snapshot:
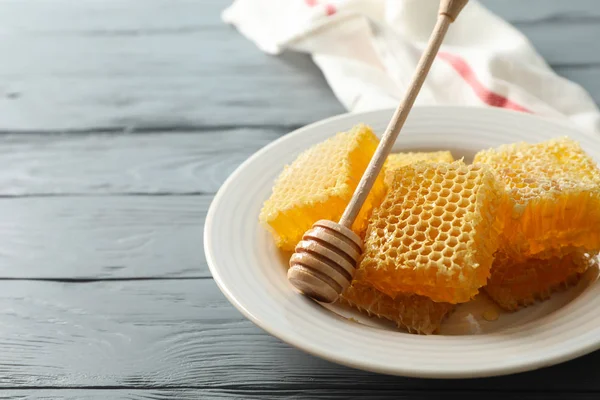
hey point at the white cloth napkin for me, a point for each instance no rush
(368, 51)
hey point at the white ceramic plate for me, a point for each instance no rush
(251, 272)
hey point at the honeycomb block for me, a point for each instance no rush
(397, 160)
(553, 197)
(414, 313)
(319, 185)
(516, 284)
(434, 233)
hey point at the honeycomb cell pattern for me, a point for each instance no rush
(435, 232)
(397, 160)
(516, 284)
(553, 197)
(413, 313)
(319, 185)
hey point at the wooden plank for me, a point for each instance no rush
(563, 44)
(586, 76)
(138, 65)
(155, 334)
(102, 238)
(561, 31)
(193, 162)
(145, 64)
(158, 163)
(537, 11)
(261, 394)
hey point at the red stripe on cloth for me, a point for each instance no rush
(487, 96)
(330, 9)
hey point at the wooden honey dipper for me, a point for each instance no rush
(324, 262)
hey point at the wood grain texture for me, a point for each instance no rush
(127, 64)
(131, 67)
(557, 12)
(103, 237)
(587, 76)
(308, 394)
(154, 63)
(177, 163)
(157, 334)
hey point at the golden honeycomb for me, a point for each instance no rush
(319, 185)
(553, 200)
(435, 232)
(515, 284)
(397, 160)
(416, 314)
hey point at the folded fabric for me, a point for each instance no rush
(368, 51)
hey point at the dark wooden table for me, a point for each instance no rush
(119, 120)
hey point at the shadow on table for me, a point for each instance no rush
(576, 379)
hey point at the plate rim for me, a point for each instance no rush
(526, 365)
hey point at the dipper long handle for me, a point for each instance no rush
(449, 10)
